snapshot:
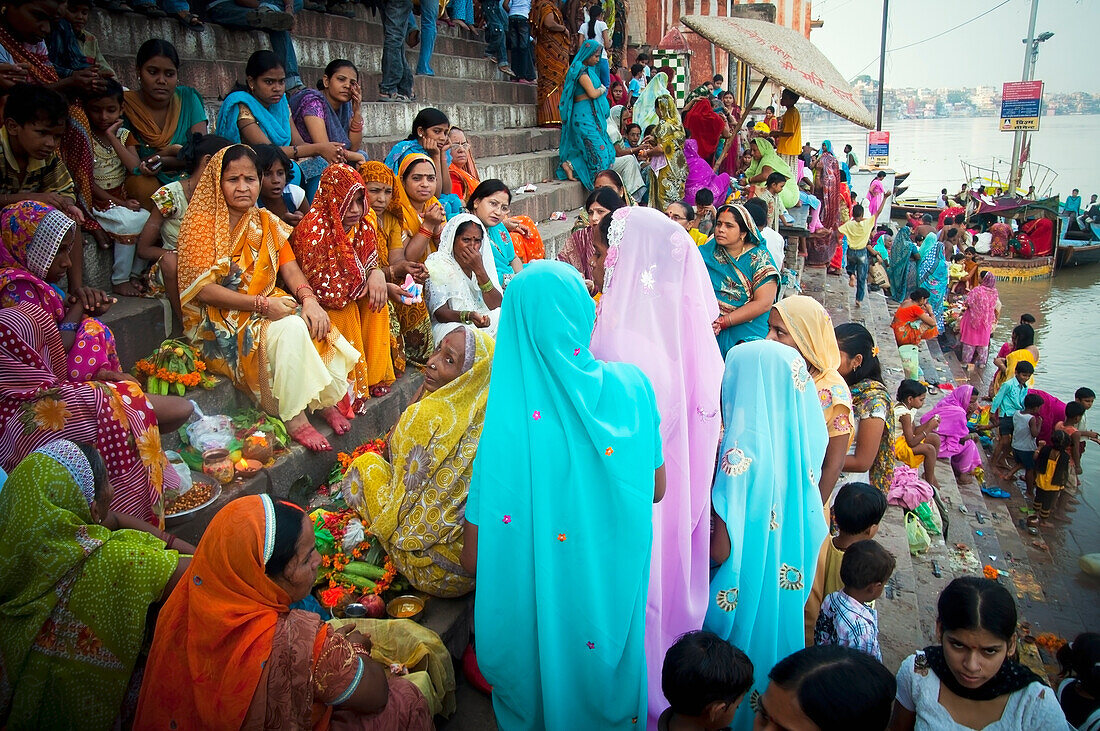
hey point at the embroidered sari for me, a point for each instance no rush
(275, 362)
(980, 315)
(585, 144)
(734, 282)
(30, 235)
(668, 172)
(771, 159)
(579, 251)
(828, 181)
(74, 596)
(230, 653)
(902, 270)
(564, 470)
(450, 286)
(40, 404)
(387, 238)
(765, 489)
(336, 264)
(396, 160)
(552, 49)
(932, 275)
(652, 261)
(871, 400)
(415, 502)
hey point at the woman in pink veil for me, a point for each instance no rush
(656, 312)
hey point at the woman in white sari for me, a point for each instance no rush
(462, 279)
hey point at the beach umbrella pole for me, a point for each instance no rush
(749, 106)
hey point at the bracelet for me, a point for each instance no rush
(299, 288)
(170, 540)
(137, 170)
(427, 232)
(260, 305)
(487, 287)
(464, 316)
(68, 327)
(295, 155)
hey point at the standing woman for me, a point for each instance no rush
(667, 165)
(827, 182)
(983, 307)
(655, 262)
(742, 276)
(871, 456)
(330, 114)
(161, 115)
(767, 512)
(904, 257)
(338, 253)
(876, 195)
(569, 464)
(552, 48)
(802, 323)
(932, 276)
(593, 28)
(586, 148)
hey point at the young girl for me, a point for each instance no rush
(157, 241)
(1079, 693)
(1052, 468)
(915, 443)
(286, 200)
(121, 216)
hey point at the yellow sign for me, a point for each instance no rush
(1025, 124)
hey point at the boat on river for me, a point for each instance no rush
(1078, 246)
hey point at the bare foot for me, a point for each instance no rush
(851, 280)
(336, 420)
(301, 431)
(1061, 519)
(127, 289)
(568, 168)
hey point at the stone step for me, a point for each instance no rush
(555, 233)
(550, 196)
(518, 170)
(394, 119)
(484, 143)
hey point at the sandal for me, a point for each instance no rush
(507, 70)
(190, 21)
(149, 10)
(264, 18)
(117, 6)
(995, 492)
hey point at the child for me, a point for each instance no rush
(285, 200)
(705, 211)
(1009, 400)
(157, 242)
(956, 273)
(637, 82)
(858, 508)
(773, 186)
(77, 13)
(704, 679)
(916, 443)
(858, 232)
(1026, 424)
(30, 168)
(1079, 693)
(1051, 475)
(518, 40)
(847, 619)
(1008, 347)
(121, 216)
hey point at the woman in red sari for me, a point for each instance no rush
(553, 50)
(706, 127)
(1041, 233)
(229, 652)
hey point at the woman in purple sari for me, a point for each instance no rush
(651, 261)
(956, 441)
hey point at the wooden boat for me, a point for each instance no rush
(1078, 247)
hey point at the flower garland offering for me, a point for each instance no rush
(349, 573)
(377, 446)
(174, 366)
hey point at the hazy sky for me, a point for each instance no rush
(986, 52)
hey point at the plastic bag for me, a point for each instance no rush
(910, 362)
(210, 432)
(354, 534)
(175, 459)
(917, 535)
(930, 518)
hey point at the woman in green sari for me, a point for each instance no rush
(75, 589)
(765, 161)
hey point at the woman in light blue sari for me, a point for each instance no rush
(586, 148)
(645, 109)
(932, 275)
(903, 264)
(559, 516)
(766, 499)
(429, 137)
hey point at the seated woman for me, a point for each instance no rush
(826, 686)
(278, 349)
(870, 459)
(161, 115)
(914, 319)
(975, 680)
(75, 591)
(429, 138)
(257, 113)
(462, 281)
(414, 503)
(586, 147)
(230, 653)
(338, 254)
(490, 202)
(39, 403)
(742, 275)
(580, 249)
(330, 114)
(626, 168)
(802, 323)
(463, 169)
(957, 443)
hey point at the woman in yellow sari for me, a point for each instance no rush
(280, 350)
(338, 253)
(415, 503)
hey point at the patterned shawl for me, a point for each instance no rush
(31, 234)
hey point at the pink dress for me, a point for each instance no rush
(876, 195)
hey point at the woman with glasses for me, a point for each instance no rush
(490, 202)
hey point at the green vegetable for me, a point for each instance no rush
(364, 569)
(357, 581)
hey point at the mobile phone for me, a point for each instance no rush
(153, 164)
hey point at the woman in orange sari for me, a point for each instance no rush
(229, 652)
(553, 50)
(464, 175)
(338, 253)
(278, 349)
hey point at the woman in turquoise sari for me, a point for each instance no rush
(767, 507)
(932, 275)
(586, 147)
(903, 264)
(560, 512)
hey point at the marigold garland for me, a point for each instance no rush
(377, 446)
(175, 365)
(337, 523)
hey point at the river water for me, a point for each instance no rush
(1066, 307)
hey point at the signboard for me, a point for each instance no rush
(878, 149)
(1020, 103)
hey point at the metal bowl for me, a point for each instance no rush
(174, 519)
(406, 606)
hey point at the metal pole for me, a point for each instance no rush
(882, 63)
(1018, 137)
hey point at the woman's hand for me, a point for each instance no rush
(591, 287)
(471, 260)
(434, 215)
(105, 374)
(150, 166)
(377, 290)
(479, 319)
(356, 96)
(513, 224)
(396, 292)
(278, 308)
(333, 152)
(94, 301)
(355, 637)
(316, 318)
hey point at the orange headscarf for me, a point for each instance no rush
(409, 216)
(465, 177)
(335, 263)
(373, 171)
(215, 631)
